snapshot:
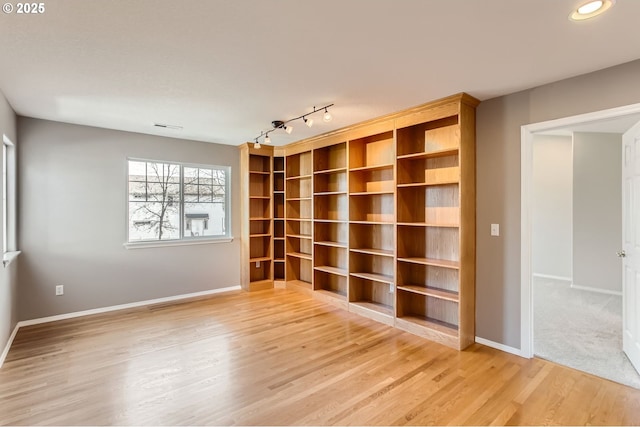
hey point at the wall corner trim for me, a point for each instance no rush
(108, 309)
(5, 352)
(500, 347)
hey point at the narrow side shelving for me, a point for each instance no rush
(278, 218)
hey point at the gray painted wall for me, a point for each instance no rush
(499, 122)
(552, 222)
(72, 186)
(8, 278)
(597, 206)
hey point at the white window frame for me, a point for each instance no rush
(182, 240)
(9, 242)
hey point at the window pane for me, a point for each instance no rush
(206, 219)
(219, 177)
(163, 172)
(205, 176)
(137, 170)
(154, 201)
(153, 221)
(206, 193)
(190, 175)
(218, 191)
(190, 193)
(137, 191)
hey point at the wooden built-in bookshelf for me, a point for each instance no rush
(377, 218)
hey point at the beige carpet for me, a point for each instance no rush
(581, 329)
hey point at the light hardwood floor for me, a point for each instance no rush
(278, 357)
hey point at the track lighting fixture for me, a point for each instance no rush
(280, 124)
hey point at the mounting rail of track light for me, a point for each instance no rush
(284, 124)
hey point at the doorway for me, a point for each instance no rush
(556, 288)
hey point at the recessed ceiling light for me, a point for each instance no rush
(590, 9)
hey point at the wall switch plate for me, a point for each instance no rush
(257, 264)
(59, 290)
(390, 288)
(495, 229)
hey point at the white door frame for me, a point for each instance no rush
(526, 171)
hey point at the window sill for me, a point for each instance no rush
(8, 257)
(154, 244)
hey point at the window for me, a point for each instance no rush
(175, 201)
(8, 200)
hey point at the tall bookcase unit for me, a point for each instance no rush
(371, 226)
(299, 221)
(330, 222)
(257, 197)
(377, 218)
(278, 219)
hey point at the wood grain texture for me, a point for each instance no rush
(277, 357)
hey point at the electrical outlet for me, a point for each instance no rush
(59, 290)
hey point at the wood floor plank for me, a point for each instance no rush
(277, 357)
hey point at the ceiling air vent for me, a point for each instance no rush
(165, 126)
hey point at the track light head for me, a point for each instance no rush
(327, 116)
(256, 144)
(288, 129)
(308, 122)
(267, 139)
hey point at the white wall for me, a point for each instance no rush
(72, 186)
(552, 207)
(8, 275)
(597, 206)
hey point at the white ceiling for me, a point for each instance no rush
(224, 69)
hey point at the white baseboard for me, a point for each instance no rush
(597, 290)
(499, 346)
(124, 306)
(550, 276)
(8, 346)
